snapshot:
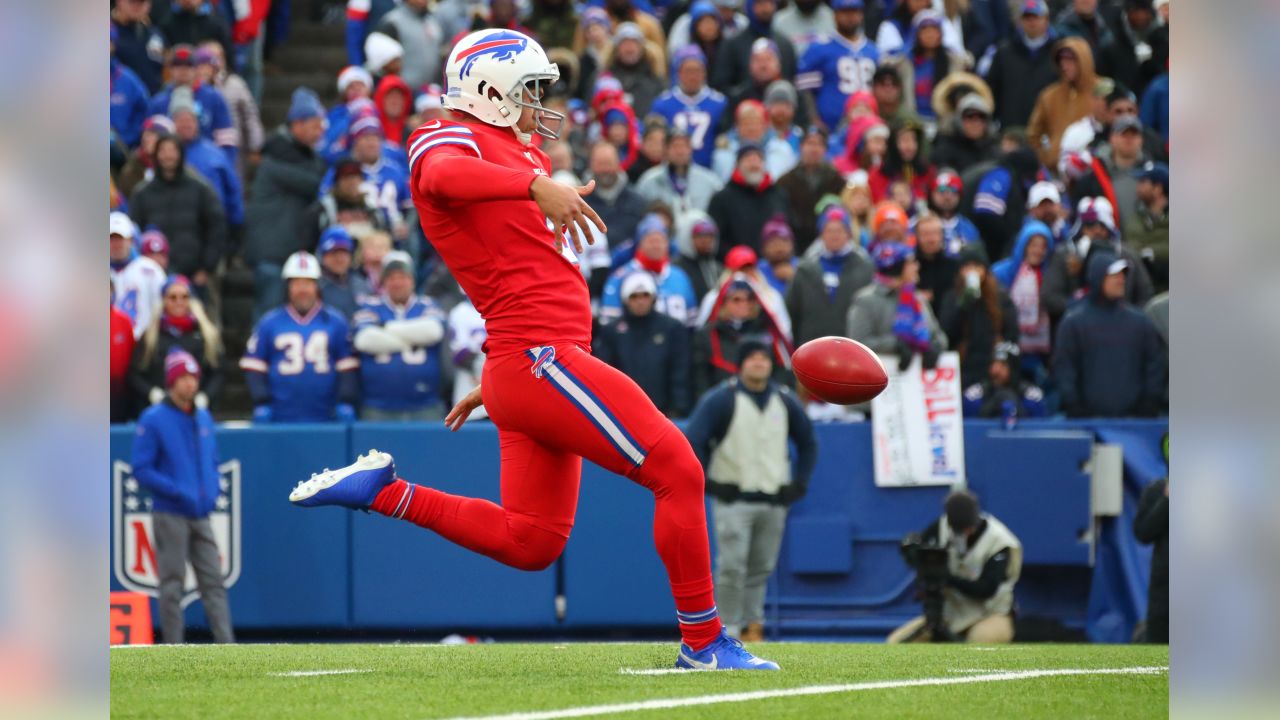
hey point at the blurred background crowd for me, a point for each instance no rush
(988, 177)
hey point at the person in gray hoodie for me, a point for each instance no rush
(1109, 361)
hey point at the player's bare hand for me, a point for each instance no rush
(460, 412)
(570, 215)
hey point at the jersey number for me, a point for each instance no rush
(854, 74)
(412, 356)
(297, 353)
(697, 123)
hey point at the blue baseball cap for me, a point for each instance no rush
(1035, 7)
(847, 4)
(335, 238)
(1156, 172)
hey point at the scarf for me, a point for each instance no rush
(832, 266)
(739, 179)
(781, 342)
(909, 324)
(679, 180)
(1033, 322)
(178, 324)
(654, 266)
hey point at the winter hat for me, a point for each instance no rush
(1097, 210)
(926, 18)
(891, 258)
(178, 363)
(182, 100)
(204, 56)
(159, 123)
(973, 102)
(764, 44)
(651, 223)
(847, 4)
(183, 55)
(351, 74)
(1006, 352)
(614, 117)
(776, 228)
(747, 147)
(595, 16)
(153, 242)
(638, 282)
(780, 91)
(885, 212)
(430, 99)
(739, 257)
(972, 253)
(628, 31)
(347, 166)
(396, 261)
(705, 226)
(178, 279)
(834, 214)
(949, 180)
(304, 105)
(379, 50)
(751, 346)
(121, 225)
(365, 123)
(335, 238)
(701, 9)
(684, 55)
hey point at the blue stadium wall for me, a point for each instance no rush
(839, 574)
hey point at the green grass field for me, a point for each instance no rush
(533, 681)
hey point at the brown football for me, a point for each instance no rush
(839, 370)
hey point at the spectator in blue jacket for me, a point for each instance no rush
(1154, 112)
(211, 107)
(129, 98)
(649, 347)
(742, 431)
(1108, 359)
(341, 288)
(652, 255)
(175, 457)
(398, 336)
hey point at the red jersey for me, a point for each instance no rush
(470, 183)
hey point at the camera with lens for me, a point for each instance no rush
(930, 562)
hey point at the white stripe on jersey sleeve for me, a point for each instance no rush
(447, 140)
(454, 131)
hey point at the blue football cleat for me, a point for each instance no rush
(354, 486)
(724, 653)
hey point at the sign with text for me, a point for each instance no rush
(917, 430)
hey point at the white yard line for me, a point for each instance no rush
(656, 671)
(670, 703)
(315, 673)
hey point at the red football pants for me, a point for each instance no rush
(554, 406)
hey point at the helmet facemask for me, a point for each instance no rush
(528, 93)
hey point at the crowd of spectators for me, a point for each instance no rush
(984, 176)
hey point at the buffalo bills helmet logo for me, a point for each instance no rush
(502, 45)
(543, 358)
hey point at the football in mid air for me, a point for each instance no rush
(839, 370)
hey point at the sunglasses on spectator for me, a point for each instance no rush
(738, 298)
(973, 115)
(178, 296)
(640, 295)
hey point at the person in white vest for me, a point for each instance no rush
(985, 561)
(741, 430)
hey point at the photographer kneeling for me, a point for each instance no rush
(968, 563)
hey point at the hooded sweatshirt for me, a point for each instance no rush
(1023, 283)
(1062, 103)
(393, 128)
(1108, 360)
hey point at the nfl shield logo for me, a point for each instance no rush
(133, 541)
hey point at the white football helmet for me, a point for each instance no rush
(301, 264)
(493, 75)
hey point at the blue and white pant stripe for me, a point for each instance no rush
(694, 618)
(590, 405)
